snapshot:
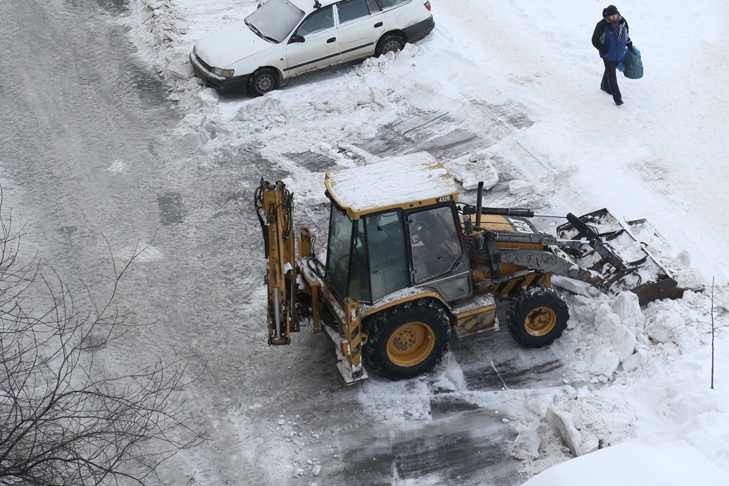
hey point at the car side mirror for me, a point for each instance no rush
(296, 38)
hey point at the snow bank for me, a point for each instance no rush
(636, 464)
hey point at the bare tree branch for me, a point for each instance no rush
(64, 419)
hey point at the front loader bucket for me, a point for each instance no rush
(614, 257)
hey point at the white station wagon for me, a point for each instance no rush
(286, 38)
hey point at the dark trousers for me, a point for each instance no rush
(610, 80)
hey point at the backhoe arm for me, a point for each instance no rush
(274, 207)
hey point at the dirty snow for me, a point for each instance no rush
(508, 93)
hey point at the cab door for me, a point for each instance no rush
(313, 45)
(437, 253)
(357, 32)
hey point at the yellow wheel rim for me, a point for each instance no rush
(410, 344)
(540, 321)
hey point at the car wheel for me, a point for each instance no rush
(390, 43)
(263, 81)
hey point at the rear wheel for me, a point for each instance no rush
(408, 340)
(390, 43)
(263, 81)
(538, 317)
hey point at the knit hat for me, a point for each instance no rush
(610, 10)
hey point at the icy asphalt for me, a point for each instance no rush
(88, 157)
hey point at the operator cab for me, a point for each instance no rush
(404, 234)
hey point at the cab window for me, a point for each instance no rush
(388, 258)
(340, 243)
(359, 282)
(434, 243)
(320, 20)
(352, 10)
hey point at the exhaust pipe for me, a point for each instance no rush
(479, 205)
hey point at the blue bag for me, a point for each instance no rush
(633, 64)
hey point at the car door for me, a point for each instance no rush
(388, 16)
(313, 44)
(356, 33)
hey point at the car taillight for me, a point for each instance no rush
(427, 5)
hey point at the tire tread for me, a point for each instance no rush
(378, 326)
(535, 297)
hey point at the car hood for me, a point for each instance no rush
(226, 47)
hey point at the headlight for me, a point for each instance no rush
(226, 73)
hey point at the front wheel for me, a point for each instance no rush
(537, 317)
(263, 81)
(408, 340)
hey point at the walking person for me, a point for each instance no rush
(612, 39)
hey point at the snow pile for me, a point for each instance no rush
(262, 114)
(603, 334)
(471, 169)
(586, 420)
(636, 464)
(157, 26)
(650, 359)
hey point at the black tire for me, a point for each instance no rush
(263, 81)
(396, 323)
(537, 317)
(390, 43)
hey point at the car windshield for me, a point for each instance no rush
(274, 20)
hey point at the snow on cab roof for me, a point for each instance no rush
(404, 182)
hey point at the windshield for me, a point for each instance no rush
(274, 20)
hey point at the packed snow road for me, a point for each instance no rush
(80, 119)
(87, 159)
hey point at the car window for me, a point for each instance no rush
(352, 9)
(374, 6)
(392, 3)
(320, 20)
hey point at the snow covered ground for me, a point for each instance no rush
(636, 464)
(513, 86)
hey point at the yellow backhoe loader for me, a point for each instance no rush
(407, 267)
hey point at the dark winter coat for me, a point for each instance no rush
(612, 42)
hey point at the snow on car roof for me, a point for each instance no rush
(404, 182)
